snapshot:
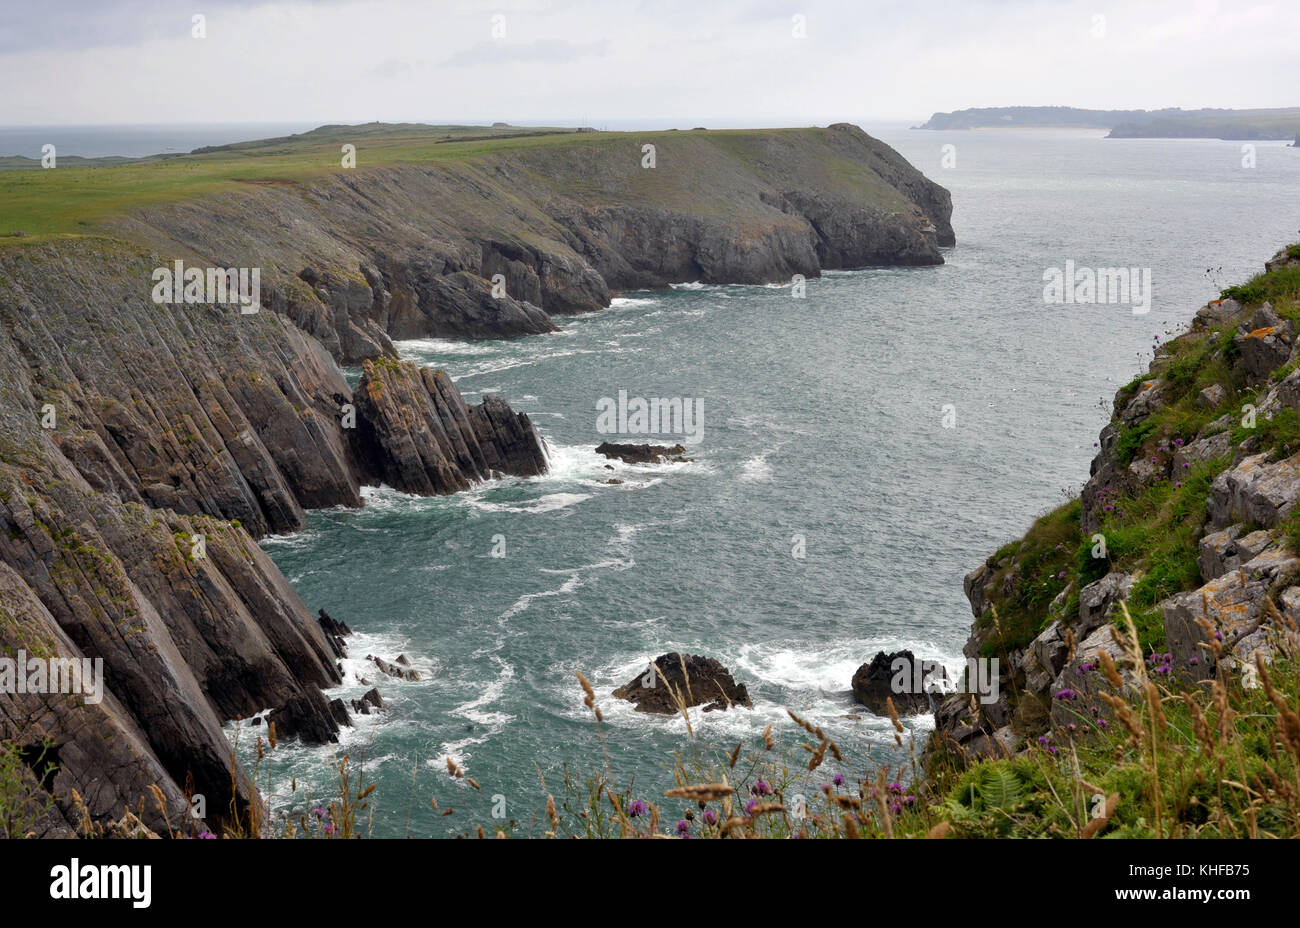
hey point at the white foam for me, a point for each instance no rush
(524, 602)
(756, 468)
(548, 503)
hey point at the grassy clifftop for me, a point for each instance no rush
(407, 242)
(82, 197)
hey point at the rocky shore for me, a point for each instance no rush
(145, 446)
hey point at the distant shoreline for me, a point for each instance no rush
(1260, 125)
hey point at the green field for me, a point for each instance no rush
(80, 195)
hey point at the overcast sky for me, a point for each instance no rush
(614, 61)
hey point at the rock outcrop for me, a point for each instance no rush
(676, 680)
(915, 686)
(416, 432)
(1215, 463)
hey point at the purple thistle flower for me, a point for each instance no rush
(838, 779)
(636, 807)
(751, 806)
(683, 827)
(760, 788)
(710, 817)
(1065, 694)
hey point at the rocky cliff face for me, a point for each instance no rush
(143, 448)
(1189, 518)
(356, 258)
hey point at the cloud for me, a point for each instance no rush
(390, 68)
(498, 51)
(610, 61)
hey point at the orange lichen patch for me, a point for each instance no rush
(1264, 332)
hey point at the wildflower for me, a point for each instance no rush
(751, 806)
(710, 817)
(329, 829)
(319, 812)
(760, 788)
(636, 807)
(1065, 694)
(683, 827)
(895, 787)
(895, 807)
(838, 779)
(207, 835)
(1193, 661)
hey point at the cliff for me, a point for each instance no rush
(405, 244)
(146, 445)
(143, 448)
(1189, 519)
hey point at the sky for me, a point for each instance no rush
(614, 62)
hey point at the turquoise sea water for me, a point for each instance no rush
(822, 418)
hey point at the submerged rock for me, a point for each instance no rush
(690, 679)
(394, 670)
(643, 454)
(371, 700)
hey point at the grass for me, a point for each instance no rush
(1033, 571)
(38, 205)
